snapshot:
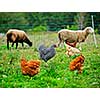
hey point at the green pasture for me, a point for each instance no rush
(53, 74)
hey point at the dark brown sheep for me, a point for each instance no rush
(15, 36)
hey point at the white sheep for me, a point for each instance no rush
(15, 36)
(73, 36)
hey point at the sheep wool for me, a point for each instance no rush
(72, 36)
(17, 36)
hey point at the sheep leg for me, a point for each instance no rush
(22, 44)
(80, 48)
(7, 44)
(12, 44)
(60, 40)
(63, 43)
(16, 45)
(59, 43)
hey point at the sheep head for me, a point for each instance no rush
(89, 30)
(30, 44)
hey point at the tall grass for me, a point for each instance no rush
(53, 74)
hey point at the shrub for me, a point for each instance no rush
(73, 27)
(40, 28)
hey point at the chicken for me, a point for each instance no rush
(46, 53)
(71, 44)
(31, 67)
(77, 64)
(71, 51)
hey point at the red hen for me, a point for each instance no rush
(77, 64)
(31, 67)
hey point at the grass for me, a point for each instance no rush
(53, 74)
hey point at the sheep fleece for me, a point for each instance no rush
(18, 35)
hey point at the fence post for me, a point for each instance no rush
(93, 32)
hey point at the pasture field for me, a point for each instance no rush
(53, 74)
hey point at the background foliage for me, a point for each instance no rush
(47, 21)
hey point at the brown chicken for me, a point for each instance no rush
(31, 67)
(71, 44)
(77, 64)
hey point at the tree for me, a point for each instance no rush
(80, 19)
(12, 20)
